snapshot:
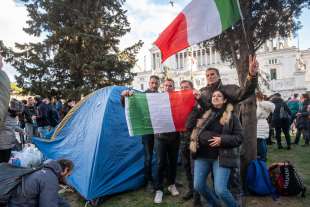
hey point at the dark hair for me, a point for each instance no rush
(214, 69)
(295, 95)
(187, 81)
(171, 80)
(222, 92)
(64, 163)
(154, 77)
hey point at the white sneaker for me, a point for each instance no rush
(158, 196)
(173, 190)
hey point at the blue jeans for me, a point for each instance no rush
(43, 131)
(262, 149)
(221, 178)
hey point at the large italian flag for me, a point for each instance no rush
(152, 113)
(200, 20)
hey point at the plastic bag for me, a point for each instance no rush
(30, 156)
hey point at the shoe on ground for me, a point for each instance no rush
(158, 196)
(173, 190)
(188, 195)
(288, 147)
(280, 147)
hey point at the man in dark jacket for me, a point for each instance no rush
(41, 188)
(29, 112)
(281, 120)
(147, 140)
(42, 117)
(235, 93)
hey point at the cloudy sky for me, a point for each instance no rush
(147, 17)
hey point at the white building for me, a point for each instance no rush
(286, 68)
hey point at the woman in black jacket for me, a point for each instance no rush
(215, 142)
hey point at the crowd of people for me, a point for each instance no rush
(210, 144)
(274, 116)
(35, 116)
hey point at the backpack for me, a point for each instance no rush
(286, 179)
(258, 179)
(283, 113)
(10, 177)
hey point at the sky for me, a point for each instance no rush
(147, 18)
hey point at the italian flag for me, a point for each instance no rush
(152, 113)
(200, 20)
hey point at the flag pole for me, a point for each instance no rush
(243, 26)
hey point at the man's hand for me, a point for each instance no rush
(127, 93)
(196, 94)
(215, 142)
(253, 65)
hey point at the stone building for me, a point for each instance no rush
(285, 68)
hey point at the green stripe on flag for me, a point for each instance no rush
(139, 114)
(229, 12)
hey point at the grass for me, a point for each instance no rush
(298, 156)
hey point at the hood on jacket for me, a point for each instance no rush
(54, 166)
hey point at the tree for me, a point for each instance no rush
(263, 20)
(79, 53)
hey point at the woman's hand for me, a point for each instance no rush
(215, 142)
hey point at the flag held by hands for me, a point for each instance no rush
(200, 20)
(152, 113)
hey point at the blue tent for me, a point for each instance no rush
(107, 160)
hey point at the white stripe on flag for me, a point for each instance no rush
(128, 117)
(202, 16)
(160, 112)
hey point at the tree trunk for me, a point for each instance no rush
(248, 118)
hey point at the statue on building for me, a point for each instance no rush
(300, 64)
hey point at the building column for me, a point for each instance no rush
(210, 50)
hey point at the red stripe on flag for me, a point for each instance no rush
(174, 38)
(182, 103)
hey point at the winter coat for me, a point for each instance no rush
(40, 189)
(43, 115)
(7, 132)
(301, 120)
(4, 96)
(293, 105)
(234, 93)
(278, 122)
(28, 112)
(231, 136)
(264, 108)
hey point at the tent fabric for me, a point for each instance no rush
(107, 160)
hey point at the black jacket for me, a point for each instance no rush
(231, 139)
(276, 120)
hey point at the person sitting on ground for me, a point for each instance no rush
(264, 108)
(41, 187)
(215, 143)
